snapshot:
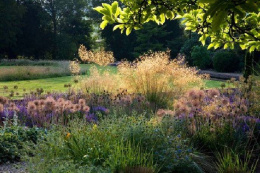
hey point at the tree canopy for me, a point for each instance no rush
(226, 22)
(43, 29)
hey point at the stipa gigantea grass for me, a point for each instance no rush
(98, 81)
(101, 58)
(158, 77)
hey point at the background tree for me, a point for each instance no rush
(69, 25)
(157, 38)
(43, 29)
(151, 37)
(121, 45)
(34, 40)
(10, 16)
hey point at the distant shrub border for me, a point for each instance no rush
(32, 72)
(27, 62)
(226, 61)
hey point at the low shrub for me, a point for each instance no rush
(186, 49)
(14, 140)
(27, 62)
(227, 61)
(201, 57)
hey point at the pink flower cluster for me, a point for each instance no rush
(5, 103)
(210, 103)
(59, 106)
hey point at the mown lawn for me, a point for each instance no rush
(48, 84)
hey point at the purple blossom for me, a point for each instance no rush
(91, 117)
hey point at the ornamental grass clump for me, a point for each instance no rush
(98, 81)
(102, 58)
(229, 161)
(74, 68)
(159, 78)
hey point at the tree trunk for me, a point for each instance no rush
(249, 67)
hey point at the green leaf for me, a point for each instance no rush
(114, 7)
(128, 31)
(211, 45)
(226, 46)
(116, 27)
(243, 46)
(252, 48)
(217, 20)
(162, 18)
(103, 24)
(213, 9)
(250, 7)
(102, 11)
(108, 8)
(217, 45)
(98, 9)
(203, 39)
(170, 15)
(206, 1)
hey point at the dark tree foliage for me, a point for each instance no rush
(159, 38)
(41, 29)
(11, 17)
(150, 38)
(35, 38)
(121, 45)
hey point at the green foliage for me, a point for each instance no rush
(151, 37)
(226, 61)
(114, 144)
(230, 161)
(127, 157)
(208, 139)
(43, 29)
(225, 22)
(188, 45)
(14, 140)
(10, 148)
(10, 16)
(201, 57)
(159, 38)
(121, 45)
